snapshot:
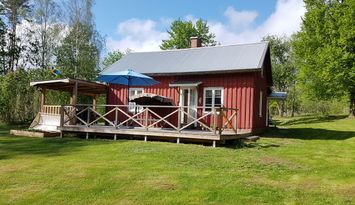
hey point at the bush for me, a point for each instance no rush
(18, 101)
(324, 107)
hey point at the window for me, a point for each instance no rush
(213, 97)
(132, 106)
(261, 104)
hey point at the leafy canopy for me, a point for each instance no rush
(325, 49)
(181, 31)
(283, 69)
(112, 57)
(78, 56)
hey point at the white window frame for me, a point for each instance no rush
(260, 103)
(213, 96)
(132, 105)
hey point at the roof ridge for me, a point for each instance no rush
(199, 48)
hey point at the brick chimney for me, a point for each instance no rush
(195, 42)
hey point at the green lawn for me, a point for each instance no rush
(309, 160)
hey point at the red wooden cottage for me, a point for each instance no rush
(234, 76)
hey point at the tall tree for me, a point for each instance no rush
(78, 58)
(15, 11)
(325, 50)
(47, 32)
(283, 68)
(79, 54)
(181, 31)
(3, 52)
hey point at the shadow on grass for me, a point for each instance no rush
(308, 134)
(238, 144)
(309, 119)
(12, 146)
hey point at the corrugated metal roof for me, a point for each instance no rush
(194, 60)
(277, 95)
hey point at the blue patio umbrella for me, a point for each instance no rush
(127, 77)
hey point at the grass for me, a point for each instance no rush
(307, 160)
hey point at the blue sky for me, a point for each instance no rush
(141, 24)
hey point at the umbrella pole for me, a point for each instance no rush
(128, 91)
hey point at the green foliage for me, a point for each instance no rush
(14, 11)
(324, 107)
(18, 101)
(3, 52)
(283, 72)
(78, 56)
(46, 34)
(283, 68)
(112, 57)
(325, 50)
(181, 31)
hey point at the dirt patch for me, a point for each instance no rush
(348, 192)
(161, 183)
(274, 161)
(167, 186)
(286, 184)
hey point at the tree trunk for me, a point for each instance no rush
(293, 109)
(280, 108)
(352, 105)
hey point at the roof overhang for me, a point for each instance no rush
(277, 96)
(67, 85)
(204, 72)
(185, 84)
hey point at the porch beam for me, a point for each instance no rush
(42, 99)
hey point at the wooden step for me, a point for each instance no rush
(252, 138)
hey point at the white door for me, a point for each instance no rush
(188, 99)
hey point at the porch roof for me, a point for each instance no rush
(67, 85)
(277, 96)
(185, 84)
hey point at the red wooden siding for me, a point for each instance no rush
(241, 90)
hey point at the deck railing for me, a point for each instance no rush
(51, 109)
(176, 118)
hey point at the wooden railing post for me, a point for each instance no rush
(146, 118)
(88, 117)
(179, 119)
(235, 121)
(62, 115)
(116, 117)
(220, 126)
(214, 120)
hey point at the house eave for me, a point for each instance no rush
(204, 72)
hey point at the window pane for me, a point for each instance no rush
(217, 102)
(218, 93)
(131, 92)
(208, 101)
(208, 93)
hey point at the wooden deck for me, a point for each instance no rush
(216, 124)
(155, 132)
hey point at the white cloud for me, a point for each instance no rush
(138, 35)
(285, 20)
(143, 35)
(240, 19)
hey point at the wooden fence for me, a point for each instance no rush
(178, 118)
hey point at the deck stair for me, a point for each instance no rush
(252, 138)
